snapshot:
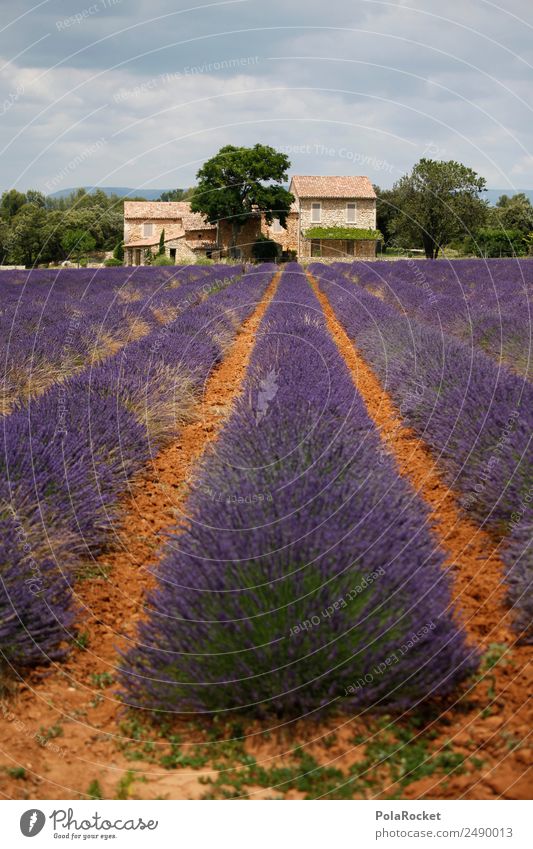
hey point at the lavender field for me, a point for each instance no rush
(313, 487)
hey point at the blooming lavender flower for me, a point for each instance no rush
(265, 603)
(66, 457)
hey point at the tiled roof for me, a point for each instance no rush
(196, 221)
(167, 210)
(332, 187)
(155, 209)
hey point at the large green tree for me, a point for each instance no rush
(12, 201)
(177, 194)
(4, 241)
(78, 243)
(515, 213)
(28, 235)
(438, 202)
(241, 181)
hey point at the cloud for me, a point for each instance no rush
(368, 87)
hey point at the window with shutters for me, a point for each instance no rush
(351, 213)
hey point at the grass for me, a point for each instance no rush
(46, 734)
(101, 679)
(124, 785)
(16, 772)
(390, 755)
(81, 640)
(95, 790)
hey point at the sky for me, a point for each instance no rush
(140, 93)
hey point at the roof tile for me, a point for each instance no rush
(332, 187)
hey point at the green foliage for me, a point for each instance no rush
(493, 242)
(343, 233)
(177, 194)
(161, 249)
(32, 226)
(123, 786)
(77, 243)
(239, 182)
(12, 201)
(113, 262)
(82, 640)
(16, 772)
(27, 239)
(437, 202)
(265, 250)
(514, 213)
(101, 679)
(95, 790)
(4, 241)
(118, 251)
(163, 260)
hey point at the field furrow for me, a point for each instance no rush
(87, 439)
(476, 419)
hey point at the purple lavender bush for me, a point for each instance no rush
(486, 304)
(307, 577)
(476, 418)
(67, 457)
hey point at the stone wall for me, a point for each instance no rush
(333, 213)
(288, 239)
(247, 236)
(134, 230)
(184, 254)
(366, 249)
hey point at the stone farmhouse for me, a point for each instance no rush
(331, 217)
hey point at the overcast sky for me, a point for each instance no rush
(140, 92)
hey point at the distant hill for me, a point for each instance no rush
(147, 194)
(492, 195)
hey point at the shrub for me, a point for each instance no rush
(118, 252)
(265, 250)
(494, 242)
(163, 260)
(112, 262)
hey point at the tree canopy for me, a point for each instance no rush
(239, 182)
(436, 203)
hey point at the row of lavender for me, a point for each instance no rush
(67, 458)
(476, 418)
(307, 576)
(55, 323)
(486, 304)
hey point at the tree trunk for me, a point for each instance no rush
(430, 248)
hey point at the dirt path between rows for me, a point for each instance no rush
(498, 709)
(61, 726)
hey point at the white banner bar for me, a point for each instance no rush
(268, 825)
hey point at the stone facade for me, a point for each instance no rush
(333, 194)
(187, 234)
(287, 238)
(333, 213)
